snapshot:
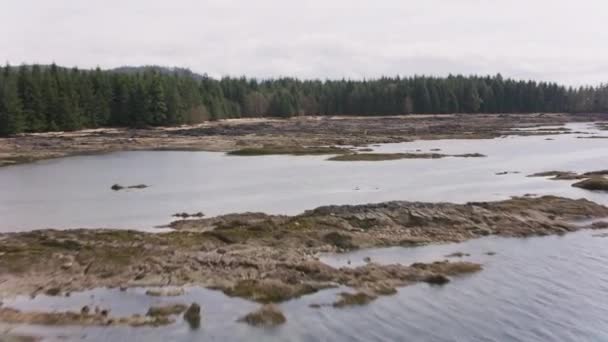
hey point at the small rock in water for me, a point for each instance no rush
(507, 173)
(117, 187)
(353, 299)
(85, 310)
(267, 316)
(185, 215)
(138, 186)
(436, 279)
(458, 255)
(367, 259)
(193, 316)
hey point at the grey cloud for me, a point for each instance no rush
(554, 40)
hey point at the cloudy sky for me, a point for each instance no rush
(554, 40)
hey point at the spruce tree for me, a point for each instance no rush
(11, 108)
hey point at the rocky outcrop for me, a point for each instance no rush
(9, 315)
(595, 183)
(268, 258)
(267, 316)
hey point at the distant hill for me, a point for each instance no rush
(184, 72)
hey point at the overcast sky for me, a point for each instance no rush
(554, 40)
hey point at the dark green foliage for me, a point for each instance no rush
(44, 98)
(11, 107)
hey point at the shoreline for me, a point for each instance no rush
(266, 258)
(295, 133)
(272, 258)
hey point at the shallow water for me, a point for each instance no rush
(535, 289)
(75, 192)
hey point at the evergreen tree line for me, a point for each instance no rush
(37, 98)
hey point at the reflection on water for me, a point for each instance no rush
(537, 289)
(75, 192)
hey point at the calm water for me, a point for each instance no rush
(536, 289)
(75, 192)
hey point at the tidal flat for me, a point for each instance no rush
(284, 237)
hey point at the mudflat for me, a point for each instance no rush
(285, 136)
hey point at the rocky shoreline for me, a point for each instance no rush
(299, 135)
(267, 258)
(264, 258)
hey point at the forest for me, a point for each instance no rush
(39, 98)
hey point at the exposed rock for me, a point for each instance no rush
(596, 183)
(596, 173)
(267, 316)
(270, 290)
(166, 310)
(53, 291)
(117, 187)
(558, 175)
(138, 186)
(193, 316)
(397, 156)
(308, 132)
(164, 292)
(384, 290)
(384, 156)
(8, 337)
(185, 215)
(457, 255)
(470, 155)
(271, 258)
(436, 279)
(289, 150)
(599, 225)
(351, 299)
(503, 173)
(9, 315)
(339, 240)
